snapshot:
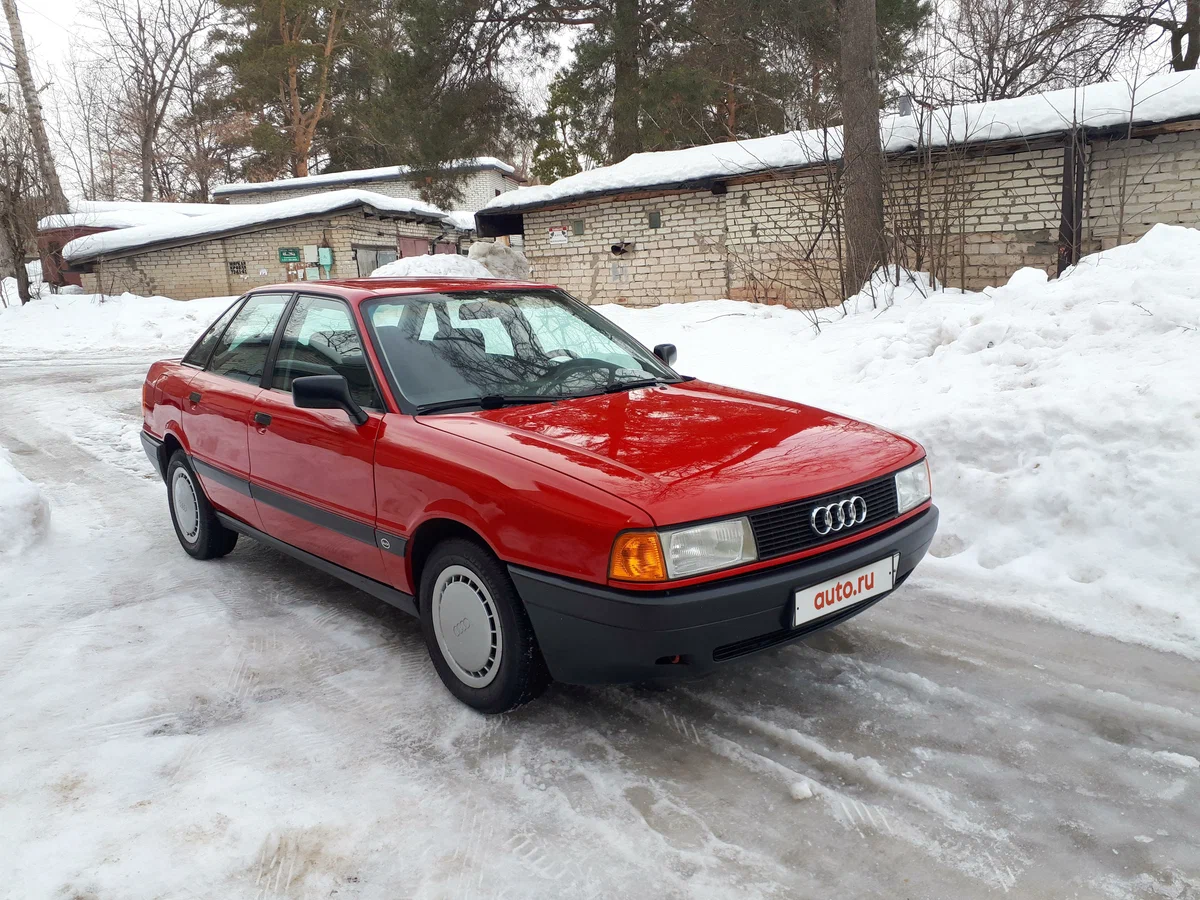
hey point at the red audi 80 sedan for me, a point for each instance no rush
(551, 499)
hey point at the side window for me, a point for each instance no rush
(241, 352)
(320, 339)
(202, 349)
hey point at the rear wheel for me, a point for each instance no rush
(196, 524)
(476, 629)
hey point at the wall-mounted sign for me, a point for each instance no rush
(325, 256)
(289, 254)
(558, 234)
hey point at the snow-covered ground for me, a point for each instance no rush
(1021, 719)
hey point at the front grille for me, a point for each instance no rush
(787, 528)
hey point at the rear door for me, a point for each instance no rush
(220, 401)
(313, 469)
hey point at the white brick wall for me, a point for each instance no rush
(750, 242)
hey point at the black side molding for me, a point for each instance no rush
(377, 589)
(351, 528)
(220, 476)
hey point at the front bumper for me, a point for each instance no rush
(591, 634)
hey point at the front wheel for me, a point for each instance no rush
(476, 629)
(199, 531)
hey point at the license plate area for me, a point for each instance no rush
(845, 591)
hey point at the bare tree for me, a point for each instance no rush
(33, 108)
(862, 154)
(1010, 48)
(23, 198)
(1177, 20)
(149, 42)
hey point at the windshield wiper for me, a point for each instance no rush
(633, 384)
(487, 401)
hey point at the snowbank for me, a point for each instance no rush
(95, 323)
(1061, 420)
(501, 260)
(437, 265)
(24, 510)
(1156, 99)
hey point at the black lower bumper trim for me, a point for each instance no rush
(591, 634)
(153, 448)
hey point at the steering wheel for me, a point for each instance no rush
(562, 351)
(565, 370)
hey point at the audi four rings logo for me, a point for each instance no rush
(836, 516)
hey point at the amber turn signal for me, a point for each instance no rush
(637, 556)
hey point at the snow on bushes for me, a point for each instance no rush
(1061, 420)
(24, 510)
(59, 323)
(437, 265)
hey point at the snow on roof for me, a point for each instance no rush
(228, 219)
(352, 176)
(1157, 99)
(463, 219)
(125, 214)
(180, 209)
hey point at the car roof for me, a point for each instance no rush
(359, 289)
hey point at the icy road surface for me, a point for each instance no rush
(250, 728)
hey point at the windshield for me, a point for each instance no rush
(506, 346)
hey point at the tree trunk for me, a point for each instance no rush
(1185, 60)
(33, 109)
(146, 152)
(626, 89)
(862, 157)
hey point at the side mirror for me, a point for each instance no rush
(327, 392)
(666, 352)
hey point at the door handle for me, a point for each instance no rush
(194, 397)
(262, 419)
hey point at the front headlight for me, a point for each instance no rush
(912, 486)
(704, 548)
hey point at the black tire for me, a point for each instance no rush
(206, 537)
(520, 674)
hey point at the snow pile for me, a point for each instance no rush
(95, 323)
(1061, 420)
(501, 260)
(24, 510)
(437, 265)
(1156, 99)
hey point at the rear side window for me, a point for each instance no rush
(320, 339)
(202, 349)
(241, 352)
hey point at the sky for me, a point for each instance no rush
(49, 25)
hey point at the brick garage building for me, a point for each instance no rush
(341, 234)
(479, 180)
(973, 194)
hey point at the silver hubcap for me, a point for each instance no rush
(467, 626)
(187, 507)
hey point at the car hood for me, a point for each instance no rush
(691, 450)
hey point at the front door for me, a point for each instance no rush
(313, 469)
(221, 399)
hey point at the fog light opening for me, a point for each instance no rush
(675, 660)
